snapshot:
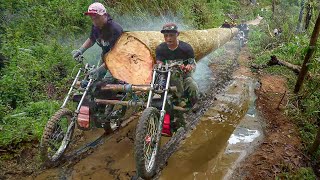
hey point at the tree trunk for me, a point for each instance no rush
(308, 15)
(254, 2)
(275, 61)
(273, 7)
(300, 16)
(311, 49)
(316, 142)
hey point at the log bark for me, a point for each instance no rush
(311, 49)
(131, 103)
(128, 87)
(132, 58)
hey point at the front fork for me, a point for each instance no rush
(162, 111)
(70, 92)
(71, 88)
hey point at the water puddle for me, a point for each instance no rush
(243, 135)
(221, 140)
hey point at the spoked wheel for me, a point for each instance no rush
(57, 135)
(146, 143)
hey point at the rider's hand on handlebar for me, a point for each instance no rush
(76, 53)
(94, 73)
(186, 68)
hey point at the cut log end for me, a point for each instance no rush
(130, 58)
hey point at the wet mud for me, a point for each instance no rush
(226, 133)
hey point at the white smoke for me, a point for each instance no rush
(146, 22)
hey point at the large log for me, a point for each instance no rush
(129, 87)
(132, 58)
(132, 103)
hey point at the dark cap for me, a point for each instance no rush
(169, 28)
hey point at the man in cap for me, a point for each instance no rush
(175, 50)
(244, 27)
(105, 32)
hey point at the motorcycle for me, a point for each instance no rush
(149, 127)
(58, 132)
(242, 39)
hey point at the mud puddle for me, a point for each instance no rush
(226, 133)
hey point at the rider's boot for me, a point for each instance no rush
(178, 122)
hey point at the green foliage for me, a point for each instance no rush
(26, 123)
(199, 14)
(301, 173)
(33, 74)
(291, 47)
(37, 42)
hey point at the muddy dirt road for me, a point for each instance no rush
(214, 140)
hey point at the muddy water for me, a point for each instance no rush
(219, 142)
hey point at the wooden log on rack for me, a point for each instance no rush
(132, 58)
(117, 102)
(132, 103)
(129, 87)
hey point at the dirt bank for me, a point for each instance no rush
(281, 149)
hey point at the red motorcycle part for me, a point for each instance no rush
(84, 117)
(166, 130)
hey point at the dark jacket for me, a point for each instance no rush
(107, 36)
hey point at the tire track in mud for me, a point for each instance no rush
(113, 157)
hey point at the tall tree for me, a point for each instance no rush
(273, 7)
(311, 49)
(308, 14)
(300, 16)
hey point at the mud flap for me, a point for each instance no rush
(166, 130)
(83, 119)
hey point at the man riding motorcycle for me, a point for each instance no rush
(105, 32)
(244, 27)
(175, 50)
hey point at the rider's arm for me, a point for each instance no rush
(159, 57)
(191, 63)
(87, 44)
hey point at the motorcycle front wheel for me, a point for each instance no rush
(147, 143)
(57, 135)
